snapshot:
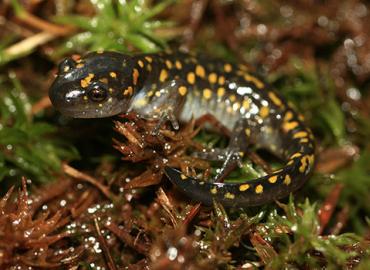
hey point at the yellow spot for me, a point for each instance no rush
(275, 99)
(248, 132)
(113, 74)
(304, 162)
(264, 111)
(141, 63)
(163, 76)
(100, 105)
(149, 59)
(207, 93)
(149, 67)
(104, 80)
(99, 51)
(141, 102)
(246, 104)
(259, 189)
(300, 134)
(80, 65)
(178, 64)
(168, 64)
(243, 67)
(199, 70)
(110, 90)
(288, 116)
(214, 190)
(253, 79)
(303, 140)
(212, 78)
(221, 80)
(229, 195)
(273, 179)
(288, 126)
(86, 98)
(135, 76)
(191, 77)
(183, 177)
(66, 68)
(128, 91)
(220, 92)
(228, 67)
(150, 93)
(158, 93)
(243, 187)
(182, 90)
(86, 81)
(295, 155)
(287, 180)
(301, 117)
(232, 98)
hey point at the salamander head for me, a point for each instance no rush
(97, 85)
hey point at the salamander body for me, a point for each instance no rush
(103, 84)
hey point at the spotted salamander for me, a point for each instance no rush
(180, 86)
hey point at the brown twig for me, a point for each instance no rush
(40, 105)
(225, 28)
(127, 238)
(341, 220)
(192, 213)
(43, 25)
(326, 210)
(108, 257)
(167, 206)
(83, 202)
(260, 161)
(87, 178)
(28, 44)
(264, 249)
(196, 14)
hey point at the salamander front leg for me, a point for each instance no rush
(163, 104)
(168, 114)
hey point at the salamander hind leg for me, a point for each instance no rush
(228, 194)
(232, 155)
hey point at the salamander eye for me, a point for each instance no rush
(98, 93)
(66, 65)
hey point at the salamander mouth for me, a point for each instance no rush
(72, 103)
(76, 113)
(88, 111)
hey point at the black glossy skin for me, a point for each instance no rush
(105, 84)
(72, 92)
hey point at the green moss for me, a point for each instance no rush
(27, 145)
(119, 26)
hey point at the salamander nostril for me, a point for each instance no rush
(66, 65)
